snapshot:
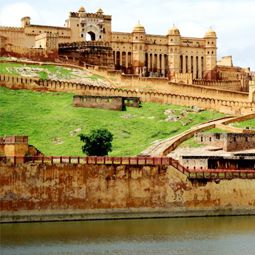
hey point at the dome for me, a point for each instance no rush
(139, 28)
(100, 11)
(210, 33)
(82, 9)
(174, 31)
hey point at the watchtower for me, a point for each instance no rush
(210, 54)
(138, 48)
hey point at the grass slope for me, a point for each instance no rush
(43, 71)
(48, 118)
(244, 124)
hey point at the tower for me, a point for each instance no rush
(210, 55)
(138, 49)
(174, 43)
(25, 21)
(90, 26)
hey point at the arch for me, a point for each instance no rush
(90, 36)
(91, 33)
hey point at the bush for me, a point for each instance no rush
(97, 143)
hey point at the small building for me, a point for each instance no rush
(204, 162)
(116, 103)
(14, 146)
(227, 141)
(17, 147)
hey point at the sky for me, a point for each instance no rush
(233, 20)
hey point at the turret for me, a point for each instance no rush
(82, 10)
(25, 21)
(174, 42)
(210, 54)
(100, 12)
(138, 48)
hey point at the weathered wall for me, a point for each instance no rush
(231, 85)
(223, 101)
(227, 141)
(68, 189)
(39, 54)
(110, 103)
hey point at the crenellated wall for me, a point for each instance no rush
(232, 85)
(180, 94)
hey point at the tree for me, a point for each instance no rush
(97, 143)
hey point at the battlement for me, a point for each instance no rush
(88, 15)
(84, 44)
(182, 94)
(11, 29)
(49, 27)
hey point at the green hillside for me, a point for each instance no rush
(53, 124)
(246, 124)
(45, 71)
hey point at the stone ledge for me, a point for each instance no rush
(117, 214)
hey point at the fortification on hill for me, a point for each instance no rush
(88, 38)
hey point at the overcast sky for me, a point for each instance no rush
(233, 20)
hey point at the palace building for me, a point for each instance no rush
(133, 53)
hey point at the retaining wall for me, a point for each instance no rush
(39, 192)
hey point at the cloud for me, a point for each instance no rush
(10, 15)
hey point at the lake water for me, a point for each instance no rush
(189, 236)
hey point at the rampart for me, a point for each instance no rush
(231, 85)
(31, 53)
(220, 100)
(73, 191)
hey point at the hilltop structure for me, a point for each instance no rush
(171, 55)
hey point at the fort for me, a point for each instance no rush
(166, 69)
(88, 37)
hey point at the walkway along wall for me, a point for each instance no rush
(223, 101)
(40, 192)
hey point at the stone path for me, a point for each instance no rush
(164, 147)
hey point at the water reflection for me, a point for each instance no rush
(226, 235)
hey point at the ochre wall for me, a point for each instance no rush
(41, 187)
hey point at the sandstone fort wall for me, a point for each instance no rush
(220, 100)
(41, 192)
